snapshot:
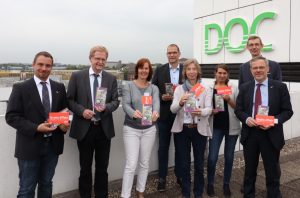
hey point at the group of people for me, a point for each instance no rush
(191, 112)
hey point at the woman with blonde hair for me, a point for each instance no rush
(193, 105)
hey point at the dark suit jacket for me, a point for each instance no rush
(162, 76)
(279, 106)
(80, 98)
(245, 74)
(25, 112)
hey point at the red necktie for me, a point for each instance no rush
(257, 101)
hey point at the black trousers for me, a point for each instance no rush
(95, 142)
(258, 143)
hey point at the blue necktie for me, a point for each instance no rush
(96, 85)
(45, 99)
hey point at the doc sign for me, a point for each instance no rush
(223, 36)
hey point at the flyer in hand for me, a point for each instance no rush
(197, 89)
(191, 104)
(147, 110)
(58, 118)
(100, 97)
(219, 102)
(224, 90)
(170, 88)
(265, 120)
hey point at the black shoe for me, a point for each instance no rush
(200, 196)
(226, 190)
(210, 190)
(179, 182)
(161, 187)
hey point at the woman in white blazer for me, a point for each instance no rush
(225, 125)
(192, 127)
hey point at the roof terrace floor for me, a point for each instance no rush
(290, 178)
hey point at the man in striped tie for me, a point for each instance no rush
(38, 143)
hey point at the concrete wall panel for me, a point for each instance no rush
(295, 31)
(275, 31)
(203, 8)
(236, 34)
(220, 6)
(243, 3)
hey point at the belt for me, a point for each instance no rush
(190, 125)
(47, 138)
(96, 122)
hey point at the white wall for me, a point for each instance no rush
(282, 32)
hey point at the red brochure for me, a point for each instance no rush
(224, 90)
(265, 120)
(58, 117)
(147, 100)
(198, 89)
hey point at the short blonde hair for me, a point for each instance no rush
(98, 48)
(187, 63)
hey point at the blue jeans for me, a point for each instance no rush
(214, 147)
(164, 134)
(187, 138)
(39, 171)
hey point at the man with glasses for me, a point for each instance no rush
(262, 96)
(170, 73)
(93, 125)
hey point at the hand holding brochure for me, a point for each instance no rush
(170, 88)
(58, 118)
(219, 102)
(100, 97)
(197, 89)
(265, 120)
(224, 90)
(191, 104)
(147, 109)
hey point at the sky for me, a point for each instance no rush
(130, 29)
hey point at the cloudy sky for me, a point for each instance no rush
(130, 29)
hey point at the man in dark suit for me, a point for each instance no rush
(274, 98)
(93, 126)
(168, 73)
(255, 45)
(38, 143)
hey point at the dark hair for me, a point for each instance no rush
(43, 53)
(140, 64)
(254, 37)
(225, 67)
(174, 45)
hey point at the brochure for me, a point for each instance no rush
(224, 90)
(265, 120)
(147, 109)
(100, 97)
(58, 118)
(191, 104)
(219, 102)
(197, 89)
(263, 110)
(170, 88)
